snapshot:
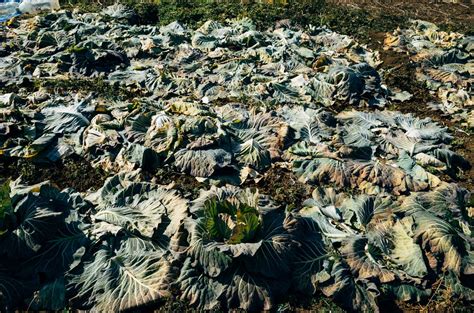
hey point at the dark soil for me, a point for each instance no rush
(284, 187)
(73, 172)
(448, 16)
(187, 185)
(280, 184)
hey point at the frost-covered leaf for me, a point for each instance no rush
(440, 238)
(326, 201)
(119, 279)
(322, 170)
(200, 290)
(142, 209)
(406, 252)
(202, 163)
(309, 258)
(67, 118)
(407, 293)
(362, 257)
(346, 290)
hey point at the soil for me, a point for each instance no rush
(73, 172)
(280, 184)
(449, 16)
(283, 187)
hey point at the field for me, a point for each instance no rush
(290, 156)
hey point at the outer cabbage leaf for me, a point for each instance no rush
(67, 119)
(406, 253)
(120, 279)
(363, 259)
(202, 163)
